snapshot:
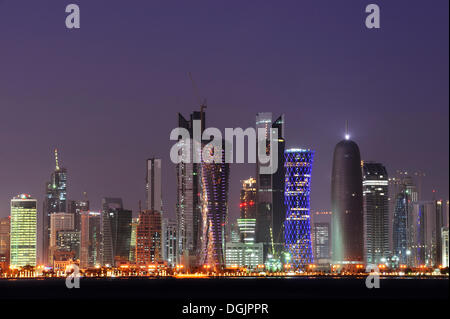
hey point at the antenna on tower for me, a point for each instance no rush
(56, 159)
(347, 135)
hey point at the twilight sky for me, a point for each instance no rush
(107, 94)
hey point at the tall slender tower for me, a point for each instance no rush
(347, 203)
(215, 183)
(153, 185)
(188, 207)
(376, 213)
(298, 164)
(55, 202)
(270, 214)
(247, 205)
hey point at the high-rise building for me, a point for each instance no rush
(421, 227)
(4, 239)
(321, 242)
(444, 240)
(153, 185)
(23, 231)
(215, 183)
(376, 213)
(271, 210)
(189, 192)
(69, 241)
(134, 225)
(169, 241)
(76, 207)
(116, 225)
(347, 204)
(298, 166)
(91, 239)
(55, 202)
(148, 237)
(58, 222)
(247, 205)
(405, 196)
(437, 238)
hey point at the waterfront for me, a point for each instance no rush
(270, 288)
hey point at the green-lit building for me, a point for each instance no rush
(23, 231)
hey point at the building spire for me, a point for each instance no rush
(56, 159)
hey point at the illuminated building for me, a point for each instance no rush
(69, 241)
(91, 239)
(444, 239)
(347, 204)
(421, 228)
(215, 182)
(23, 231)
(169, 241)
(321, 242)
(148, 238)
(153, 185)
(116, 231)
(298, 167)
(188, 207)
(55, 202)
(270, 213)
(75, 208)
(247, 205)
(244, 255)
(134, 225)
(4, 239)
(437, 239)
(406, 195)
(376, 213)
(58, 222)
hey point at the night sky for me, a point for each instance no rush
(107, 95)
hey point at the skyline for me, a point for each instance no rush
(388, 85)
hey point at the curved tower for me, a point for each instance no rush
(347, 203)
(297, 226)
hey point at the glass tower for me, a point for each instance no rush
(23, 231)
(298, 166)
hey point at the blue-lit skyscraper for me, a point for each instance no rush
(298, 165)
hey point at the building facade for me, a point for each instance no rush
(23, 240)
(376, 213)
(347, 204)
(169, 241)
(247, 206)
(90, 239)
(298, 166)
(148, 238)
(4, 239)
(153, 191)
(244, 255)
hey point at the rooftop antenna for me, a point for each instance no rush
(56, 159)
(347, 135)
(202, 104)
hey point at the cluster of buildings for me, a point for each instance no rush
(374, 219)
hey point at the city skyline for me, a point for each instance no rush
(96, 153)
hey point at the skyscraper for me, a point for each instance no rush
(188, 207)
(376, 213)
(91, 239)
(437, 238)
(403, 204)
(347, 203)
(55, 202)
(4, 239)
(421, 227)
(134, 225)
(321, 242)
(247, 206)
(298, 167)
(444, 240)
(270, 213)
(153, 185)
(116, 223)
(148, 237)
(215, 183)
(169, 241)
(23, 231)
(75, 208)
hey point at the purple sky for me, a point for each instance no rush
(107, 94)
